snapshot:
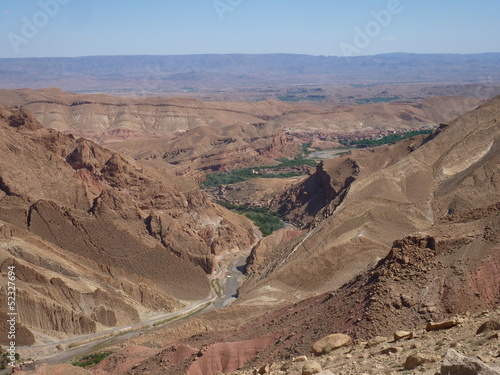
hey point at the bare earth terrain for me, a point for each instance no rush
(86, 228)
(186, 135)
(380, 240)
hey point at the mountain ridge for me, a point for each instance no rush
(177, 71)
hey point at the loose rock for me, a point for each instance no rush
(311, 367)
(391, 350)
(264, 369)
(456, 363)
(286, 366)
(417, 359)
(490, 325)
(301, 358)
(398, 335)
(331, 342)
(432, 326)
(375, 341)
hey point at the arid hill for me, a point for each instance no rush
(187, 134)
(97, 239)
(95, 115)
(400, 195)
(397, 236)
(414, 238)
(316, 198)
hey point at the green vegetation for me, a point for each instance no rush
(291, 97)
(243, 174)
(267, 221)
(91, 359)
(217, 287)
(316, 97)
(288, 98)
(393, 138)
(377, 100)
(239, 175)
(298, 161)
(227, 178)
(163, 321)
(75, 344)
(244, 208)
(297, 91)
(4, 359)
(304, 148)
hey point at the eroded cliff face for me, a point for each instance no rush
(106, 118)
(317, 197)
(189, 137)
(61, 291)
(215, 148)
(144, 237)
(388, 194)
(432, 215)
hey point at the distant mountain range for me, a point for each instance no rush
(193, 72)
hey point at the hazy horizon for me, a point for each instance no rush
(248, 54)
(73, 28)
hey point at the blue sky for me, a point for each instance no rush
(43, 28)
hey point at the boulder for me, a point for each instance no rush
(456, 363)
(445, 324)
(417, 359)
(490, 325)
(330, 342)
(311, 368)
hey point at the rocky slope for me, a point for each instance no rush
(432, 218)
(475, 337)
(97, 239)
(187, 134)
(472, 338)
(316, 198)
(455, 172)
(215, 148)
(414, 238)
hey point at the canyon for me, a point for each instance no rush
(102, 215)
(86, 228)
